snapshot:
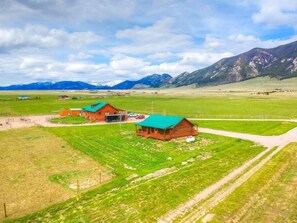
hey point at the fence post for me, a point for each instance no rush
(100, 178)
(5, 212)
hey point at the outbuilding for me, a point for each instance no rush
(71, 112)
(165, 127)
(63, 97)
(23, 97)
(103, 111)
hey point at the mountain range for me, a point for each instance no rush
(279, 62)
(152, 81)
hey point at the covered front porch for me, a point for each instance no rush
(148, 132)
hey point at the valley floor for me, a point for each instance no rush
(150, 203)
(242, 158)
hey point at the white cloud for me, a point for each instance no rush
(42, 37)
(157, 38)
(122, 62)
(240, 38)
(83, 68)
(216, 47)
(161, 56)
(81, 55)
(202, 59)
(74, 11)
(170, 68)
(276, 13)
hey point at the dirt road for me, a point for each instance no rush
(7, 123)
(188, 212)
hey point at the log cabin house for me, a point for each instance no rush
(102, 111)
(165, 127)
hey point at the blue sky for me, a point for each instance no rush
(110, 40)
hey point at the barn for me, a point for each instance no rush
(165, 127)
(71, 112)
(103, 111)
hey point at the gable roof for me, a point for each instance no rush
(95, 106)
(160, 121)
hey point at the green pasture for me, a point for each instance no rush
(200, 106)
(268, 196)
(70, 120)
(250, 127)
(195, 166)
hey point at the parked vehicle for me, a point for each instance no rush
(131, 115)
(140, 117)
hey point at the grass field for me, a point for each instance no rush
(147, 177)
(70, 120)
(39, 169)
(250, 127)
(198, 106)
(259, 84)
(192, 167)
(268, 196)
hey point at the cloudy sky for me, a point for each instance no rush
(107, 40)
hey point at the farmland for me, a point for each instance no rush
(132, 156)
(251, 127)
(38, 169)
(199, 106)
(269, 196)
(145, 178)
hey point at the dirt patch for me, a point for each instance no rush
(129, 167)
(156, 174)
(204, 156)
(207, 218)
(199, 143)
(132, 176)
(36, 167)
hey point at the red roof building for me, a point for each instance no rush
(102, 111)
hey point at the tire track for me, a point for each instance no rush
(213, 191)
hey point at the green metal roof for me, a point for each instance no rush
(160, 121)
(95, 106)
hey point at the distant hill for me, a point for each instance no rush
(279, 62)
(152, 81)
(62, 85)
(155, 80)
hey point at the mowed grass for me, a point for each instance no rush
(213, 106)
(270, 195)
(250, 127)
(194, 167)
(70, 120)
